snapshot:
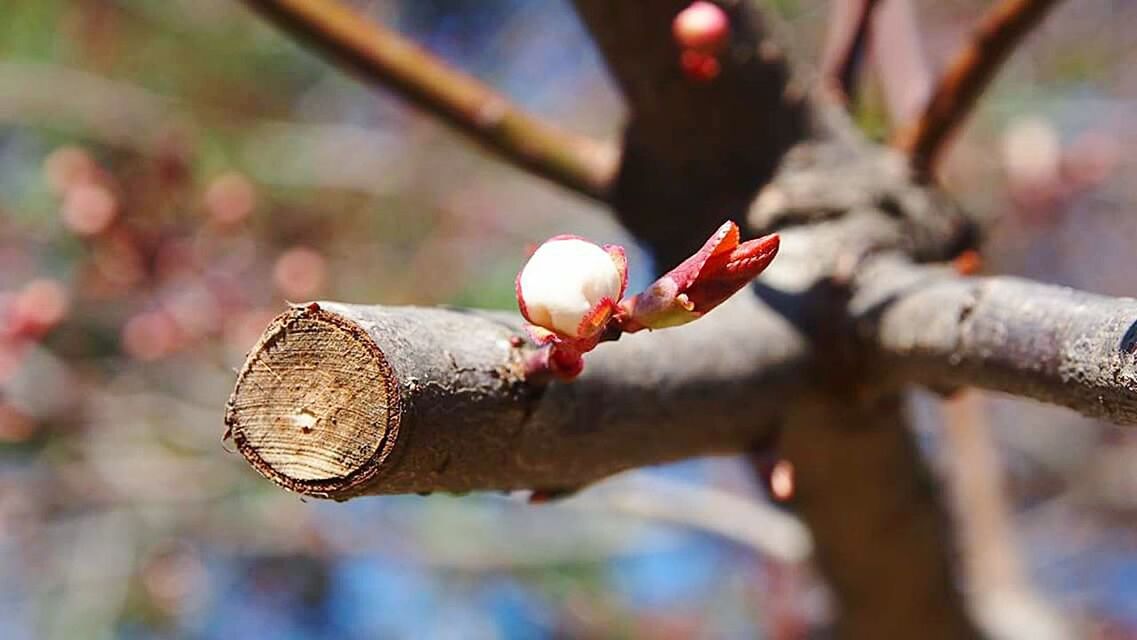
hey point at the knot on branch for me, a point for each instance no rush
(869, 190)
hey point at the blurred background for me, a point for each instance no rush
(173, 171)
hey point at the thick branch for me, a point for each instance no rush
(992, 41)
(1053, 344)
(881, 536)
(694, 152)
(340, 400)
(383, 57)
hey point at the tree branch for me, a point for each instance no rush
(385, 58)
(741, 519)
(992, 41)
(881, 536)
(899, 57)
(694, 153)
(345, 400)
(1040, 341)
(340, 400)
(850, 29)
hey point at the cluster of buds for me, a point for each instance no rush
(701, 31)
(571, 292)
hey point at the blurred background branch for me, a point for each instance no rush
(899, 56)
(744, 520)
(847, 42)
(1002, 596)
(993, 39)
(381, 56)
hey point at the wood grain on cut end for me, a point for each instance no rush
(316, 407)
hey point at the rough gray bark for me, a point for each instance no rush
(465, 420)
(340, 400)
(1050, 343)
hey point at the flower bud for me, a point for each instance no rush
(702, 27)
(571, 286)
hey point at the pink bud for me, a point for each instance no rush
(561, 359)
(702, 26)
(67, 167)
(149, 335)
(779, 479)
(702, 282)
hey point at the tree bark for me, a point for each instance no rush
(881, 536)
(1045, 342)
(340, 400)
(694, 153)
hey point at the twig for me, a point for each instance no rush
(850, 27)
(384, 57)
(993, 39)
(754, 524)
(901, 63)
(976, 486)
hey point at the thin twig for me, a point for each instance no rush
(900, 60)
(382, 56)
(993, 39)
(850, 27)
(748, 522)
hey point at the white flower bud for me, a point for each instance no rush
(564, 281)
